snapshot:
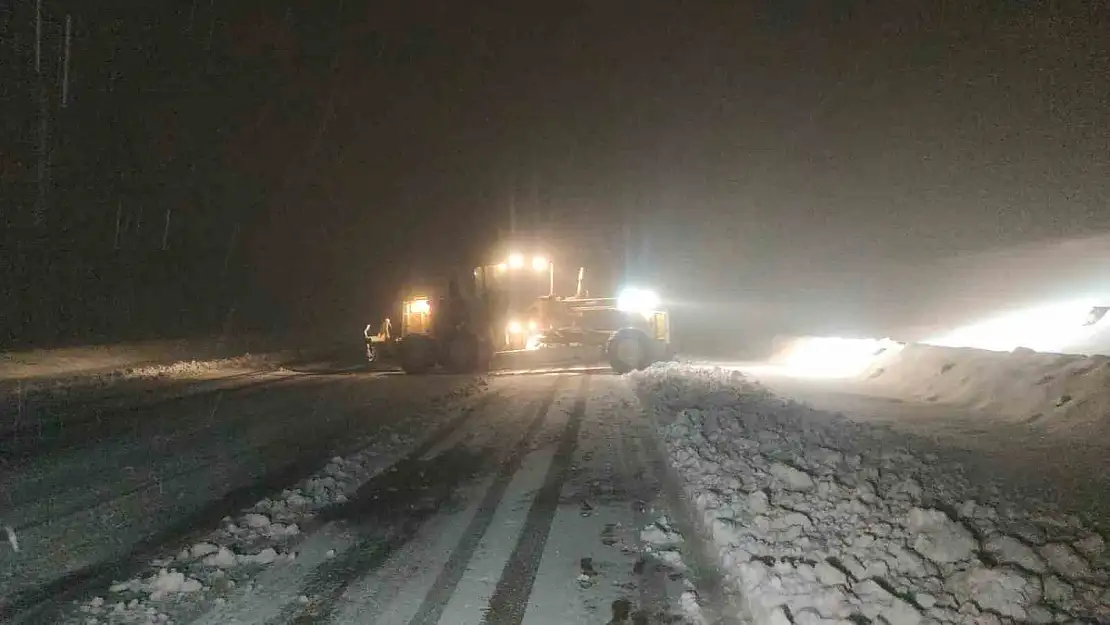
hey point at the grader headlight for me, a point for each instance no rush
(635, 300)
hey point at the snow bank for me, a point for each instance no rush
(59, 386)
(820, 520)
(1054, 390)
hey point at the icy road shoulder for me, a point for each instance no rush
(817, 519)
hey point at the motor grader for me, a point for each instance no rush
(493, 321)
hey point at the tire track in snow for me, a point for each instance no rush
(83, 499)
(432, 608)
(39, 603)
(395, 489)
(510, 598)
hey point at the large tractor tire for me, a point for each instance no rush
(629, 349)
(485, 357)
(462, 353)
(418, 354)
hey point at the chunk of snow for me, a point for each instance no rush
(224, 559)
(876, 601)
(778, 617)
(200, 550)
(1009, 550)
(1091, 546)
(660, 536)
(266, 556)
(1057, 590)
(171, 582)
(939, 538)
(792, 478)
(1004, 590)
(1065, 561)
(829, 575)
(256, 521)
(132, 585)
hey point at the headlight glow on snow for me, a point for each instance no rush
(636, 300)
(515, 327)
(831, 357)
(1050, 328)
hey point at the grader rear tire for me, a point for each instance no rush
(462, 354)
(417, 354)
(629, 349)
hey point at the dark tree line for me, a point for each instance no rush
(130, 181)
(204, 166)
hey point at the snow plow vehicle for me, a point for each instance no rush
(497, 321)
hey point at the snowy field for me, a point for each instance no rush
(91, 360)
(817, 518)
(70, 370)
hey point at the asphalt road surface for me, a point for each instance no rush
(507, 499)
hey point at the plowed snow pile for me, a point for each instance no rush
(819, 520)
(1055, 390)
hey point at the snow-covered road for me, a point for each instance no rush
(290, 498)
(683, 494)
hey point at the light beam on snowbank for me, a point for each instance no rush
(1057, 327)
(831, 357)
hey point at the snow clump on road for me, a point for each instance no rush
(261, 536)
(820, 520)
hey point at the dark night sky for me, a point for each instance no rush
(754, 147)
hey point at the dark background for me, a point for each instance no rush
(749, 158)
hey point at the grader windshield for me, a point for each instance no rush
(514, 286)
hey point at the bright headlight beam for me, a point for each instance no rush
(1052, 327)
(516, 261)
(831, 356)
(637, 300)
(539, 263)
